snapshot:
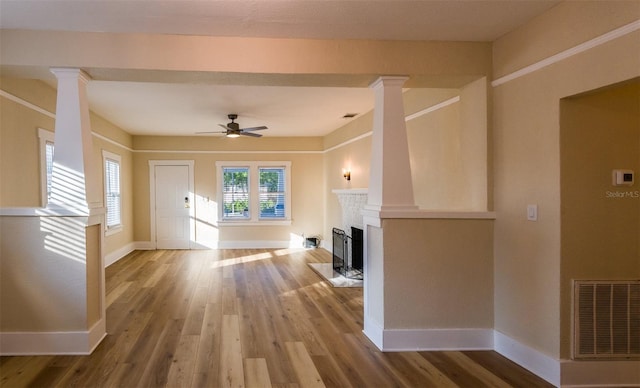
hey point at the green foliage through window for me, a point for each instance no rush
(236, 192)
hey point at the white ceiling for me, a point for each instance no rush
(183, 109)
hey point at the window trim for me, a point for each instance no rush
(254, 184)
(106, 155)
(44, 137)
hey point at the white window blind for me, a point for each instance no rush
(49, 166)
(272, 192)
(112, 192)
(45, 140)
(236, 195)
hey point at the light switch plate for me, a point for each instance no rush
(532, 212)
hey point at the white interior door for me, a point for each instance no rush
(172, 206)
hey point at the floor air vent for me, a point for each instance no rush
(607, 319)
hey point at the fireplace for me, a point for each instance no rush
(348, 252)
(348, 242)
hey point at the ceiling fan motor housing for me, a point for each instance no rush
(232, 125)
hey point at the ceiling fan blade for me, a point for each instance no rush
(254, 128)
(249, 134)
(225, 127)
(201, 133)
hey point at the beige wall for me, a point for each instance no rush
(119, 142)
(447, 150)
(354, 156)
(526, 158)
(599, 132)
(439, 282)
(43, 284)
(307, 200)
(20, 174)
(19, 144)
(568, 24)
(311, 62)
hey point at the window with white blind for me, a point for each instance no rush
(256, 193)
(235, 193)
(272, 192)
(112, 195)
(46, 164)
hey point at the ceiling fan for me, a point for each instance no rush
(233, 129)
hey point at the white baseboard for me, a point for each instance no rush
(540, 364)
(569, 373)
(612, 373)
(437, 339)
(254, 244)
(118, 254)
(121, 252)
(405, 340)
(144, 245)
(374, 332)
(215, 244)
(52, 343)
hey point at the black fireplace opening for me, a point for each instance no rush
(348, 252)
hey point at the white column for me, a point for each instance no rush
(390, 183)
(390, 193)
(74, 186)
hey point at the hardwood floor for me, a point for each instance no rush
(245, 318)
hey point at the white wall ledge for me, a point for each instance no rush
(48, 212)
(429, 214)
(350, 191)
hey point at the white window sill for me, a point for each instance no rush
(266, 222)
(113, 230)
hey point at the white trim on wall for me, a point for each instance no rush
(115, 143)
(118, 254)
(540, 364)
(255, 244)
(609, 36)
(36, 108)
(409, 340)
(223, 152)
(227, 244)
(123, 251)
(412, 116)
(433, 108)
(344, 143)
(52, 343)
(26, 104)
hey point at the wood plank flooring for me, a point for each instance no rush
(245, 318)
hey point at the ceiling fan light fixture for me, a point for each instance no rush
(232, 135)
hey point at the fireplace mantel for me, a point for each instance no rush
(350, 191)
(352, 202)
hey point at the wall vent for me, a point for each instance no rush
(607, 319)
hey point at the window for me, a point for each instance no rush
(272, 192)
(254, 193)
(235, 196)
(46, 164)
(112, 191)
